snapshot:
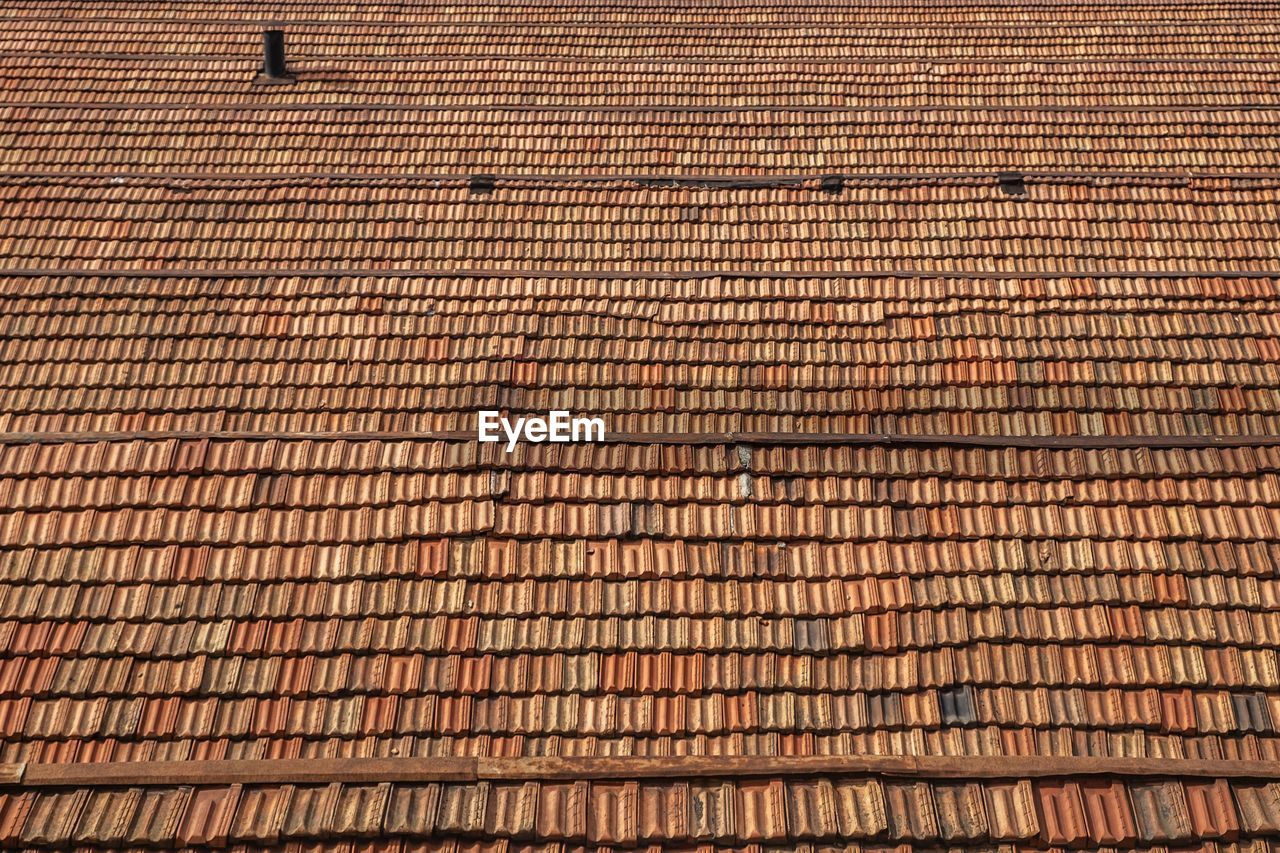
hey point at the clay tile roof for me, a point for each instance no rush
(937, 345)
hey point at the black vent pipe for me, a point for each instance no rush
(273, 54)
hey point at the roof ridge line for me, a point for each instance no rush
(450, 769)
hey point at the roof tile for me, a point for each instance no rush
(1108, 813)
(1161, 810)
(1061, 813)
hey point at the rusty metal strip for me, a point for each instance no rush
(369, 770)
(1050, 442)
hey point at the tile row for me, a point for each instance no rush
(1026, 651)
(692, 142)
(1133, 603)
(498, 81)
(1255, 522)
(1173, 467)
(1106, 811)
(1107, 386)
(798, 332)
(663, 40)
(456, 844)
(1186, 689)
(413, 419)
(462, 422)
(1017, 682)
(664, 12)
(1219, 325)
(943, 225)
(1096, 337)
(311, 491)
(981, 409)
(857, 298)
(230, 715)
(902, 651)
(32, 724)
(806, 311)
(510, 560)
(969, 741)
(1102, 605)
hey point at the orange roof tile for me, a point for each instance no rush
(937, 342)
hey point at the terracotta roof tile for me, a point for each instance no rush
(961, 812)
(463, 809)
(1257, 807)
(811, 809)
(1011, 812)
(861, 809)
(412, 810)
(1062, 815)
(1161, 811)
(718, 811)
(222, 272)
(230, 141)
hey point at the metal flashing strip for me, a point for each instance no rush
(409, 770)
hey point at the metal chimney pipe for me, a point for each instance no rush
(273, 54)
